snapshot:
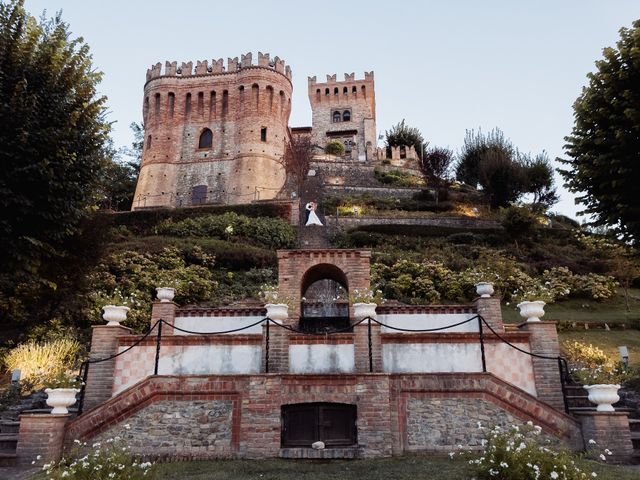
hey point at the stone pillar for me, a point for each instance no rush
(543, 340)
(489, 309)
(610, 430)
(41, 438)
(165, 311)
(361, 347)
(104, 343)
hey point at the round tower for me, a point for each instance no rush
(214, 134)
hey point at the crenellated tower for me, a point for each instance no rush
(345, 111)
(214, 133)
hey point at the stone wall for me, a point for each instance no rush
(445, 222)
(201, 427)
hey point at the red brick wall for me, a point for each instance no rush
(610, 430)
(380, 400)
(41, 438)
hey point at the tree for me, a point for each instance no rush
(604, 145)
(52, 137)
(435, 166)
(402, 135)
(477, 147)
(539, 178)
(502, 177)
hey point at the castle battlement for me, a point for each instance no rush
(217, 67)
(348, 77)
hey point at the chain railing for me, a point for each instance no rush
(562, 363)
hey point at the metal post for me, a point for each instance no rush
(484, 360)
(266, 346)
(370, 347)
(158, 339)
(84, 368)
(563, 377)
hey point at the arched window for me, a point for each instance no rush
(148, 142)
(206, 139)
(336, 91)
(336, 117)
(326, 91)
(346, 116)
(354, 90)
(345, 90)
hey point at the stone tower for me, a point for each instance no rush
(214, 134)
(345, 111)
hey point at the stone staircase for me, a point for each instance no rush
(8, 441)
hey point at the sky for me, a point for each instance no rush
(445, 67)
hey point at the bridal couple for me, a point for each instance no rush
(312, 217)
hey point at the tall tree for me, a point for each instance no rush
(539, 181)
(435, 166)
(52, 136)
(402, 135)
(604, 145)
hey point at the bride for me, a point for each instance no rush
(312, 218)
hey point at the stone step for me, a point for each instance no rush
(634, 424)
(9, 426)
(8, 441)
(8, 459)
(301, 452)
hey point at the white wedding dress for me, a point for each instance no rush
(313, 218)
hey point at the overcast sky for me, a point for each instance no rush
(444, 66)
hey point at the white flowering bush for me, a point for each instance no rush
(365, 295)
(522, 453)
(111, 460)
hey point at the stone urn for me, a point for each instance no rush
(165, 294)
(277, 311)
(484, 289)
(60, 399)
(364, 310)
(603, 395)
(532, 311)
(114, 314)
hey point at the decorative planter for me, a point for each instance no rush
(60, 399)
(165, 294)
(603, 395)
(114, 314)
(277, 311)
(532, 311)
(364, 310)
(484, 289)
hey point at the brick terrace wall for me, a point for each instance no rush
(609, 430)
(390, 407)
(40, 435)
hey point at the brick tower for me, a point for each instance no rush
(214, 134)
(345, 111)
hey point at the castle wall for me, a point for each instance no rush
(247, 109)
(355, 96)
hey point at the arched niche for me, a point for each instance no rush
(324, 294)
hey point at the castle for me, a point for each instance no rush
(216, 134)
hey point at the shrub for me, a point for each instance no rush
(522, 453)
(590, 365)
(462, 238)
(42, 362)
(270, 232)
(111, 461)
(334, 147)
(518, 222)
(398, 178)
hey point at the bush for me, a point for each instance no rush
(41, 362)
(522, 453)
(518, 222)
(398, 178)
(334, 147)
(271, 232)
(591, 366)
(111, 461)
(462, 238)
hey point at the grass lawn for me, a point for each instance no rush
(582, 310)
(404, 468)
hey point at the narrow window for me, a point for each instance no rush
(255, 95)
(187, 104)
(206, 139)
(212, 105)
(241, 90)
(336, 91)
(200, 103)
(281, 101)
(326, 91)
(148, 142)
(225, 102)
(354, 90)
(346, 116)
(270, 95)
(345, 91)
(172, 103)
(364, 91)
(336, 117)
(263, 134)
(146, 107)
(157, 104)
